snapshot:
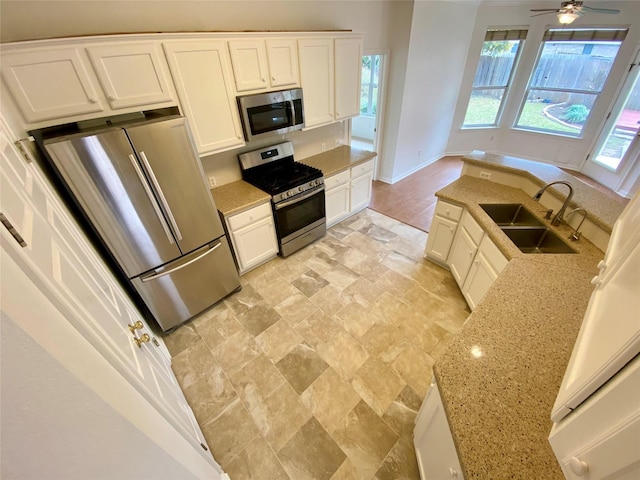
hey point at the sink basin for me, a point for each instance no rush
(536, 240)
(511, 214)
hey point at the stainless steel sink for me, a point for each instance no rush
(511, 214)
(524, 229)
(536, 240)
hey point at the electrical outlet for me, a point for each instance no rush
(212, 181)
(485, 175)
(323, 147)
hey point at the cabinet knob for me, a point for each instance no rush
(453, 472)
(112, 97)
(596, 280)
(263, 80)
(578, 467)
(602, 265)
(93, 100)
(273, 79)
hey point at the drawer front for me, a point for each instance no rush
(361, 169)
(448, 210)
(473, 229)
(245, 218)
(335, 180)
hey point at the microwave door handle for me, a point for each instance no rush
(152, 199)
(149, 171)
(293, 112)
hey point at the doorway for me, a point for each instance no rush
(366, 131)
(615, 158)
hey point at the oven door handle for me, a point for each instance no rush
(297, 198)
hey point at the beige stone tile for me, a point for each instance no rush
(331, 246)
(442, 346)
(210, 394)
(217, 325)
(181, 338)
(402, 412)
(384, 341)
(295, 308)
(229, 433)
(256, 462)
(321, 263)
(348, 471)
(280, 416)
(394, 283)
(419, 331)
(350, 257)
(301, 366)
(344, 353)
(319, 329)
(364, 291)
(243, 300)
(357, 319)
(309, 283)
(330, 398)
(400, 263)
(400, 464)
(378, 233)
(392, 309)
(414, 366)
(192, 364)
(235, 352)
(366, 245)
(278, 340)
(311, 454)
(370, 268)
(258, 318)
(330, 300)
(256, 381)
(340, 276)
(377, 384)
(277, 290)
(365, 438)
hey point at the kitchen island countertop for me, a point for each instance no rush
(499, 377)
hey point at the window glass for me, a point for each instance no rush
(493, 76)
(569, 75)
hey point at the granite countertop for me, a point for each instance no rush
(500, 376)
(238, 196)
(603, 210)
(339, 159)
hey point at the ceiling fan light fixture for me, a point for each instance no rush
(565, 18)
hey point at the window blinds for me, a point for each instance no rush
(585, 35)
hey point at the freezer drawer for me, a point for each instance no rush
(181, 289)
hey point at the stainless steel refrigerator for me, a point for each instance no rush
(143, 189)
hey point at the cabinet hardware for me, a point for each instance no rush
(12, 230)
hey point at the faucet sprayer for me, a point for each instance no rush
(559, 217)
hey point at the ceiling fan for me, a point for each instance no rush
(569, 11)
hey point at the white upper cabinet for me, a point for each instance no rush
(282, 55)
(249, 59)
(317, 80)
(348, 58)
(202, 74)
(131, 74)
(260, 64)
(50, 83)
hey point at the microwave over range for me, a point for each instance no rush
(265, 114)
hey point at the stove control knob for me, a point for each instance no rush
(301, 189)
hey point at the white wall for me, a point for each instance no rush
(563, 151)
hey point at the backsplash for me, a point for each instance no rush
(224, 166)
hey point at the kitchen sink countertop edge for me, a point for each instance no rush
(500, 375)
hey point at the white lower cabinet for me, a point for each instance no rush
(463, 250)
(485, 268)
(361, 178)
(253, 236)
(435, 450)
(443, 228)
(337, 197)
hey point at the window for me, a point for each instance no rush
(571, 71)
(369, 90)
(497, 62)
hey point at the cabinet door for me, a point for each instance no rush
(479, 279)
(435, 451)
(461, 257)
(249, 60)
(202, 74)
(282, 55)
(51, 83)
(255, 243)
(337, 204)
(361, 191)
(348, 61)
(131, 74)
(317, 79)
(440, 238)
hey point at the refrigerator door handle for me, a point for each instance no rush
(154, 203)
(163, 200)
(155, 276)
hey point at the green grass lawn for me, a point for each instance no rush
(482, 111)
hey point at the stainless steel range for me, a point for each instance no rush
(297, 194)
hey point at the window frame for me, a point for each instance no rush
(493, 34)
(561, 32)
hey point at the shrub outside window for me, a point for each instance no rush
(569, 75)
(496, 65)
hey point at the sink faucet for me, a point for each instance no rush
(559, 217)
(576, 234)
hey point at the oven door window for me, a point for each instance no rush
(266, 118)
(296, 216)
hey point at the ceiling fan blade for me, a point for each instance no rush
(544, 10)
(602, 10)
(545, 13)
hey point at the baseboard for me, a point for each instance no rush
(412, 171)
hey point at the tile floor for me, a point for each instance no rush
(317, 368)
